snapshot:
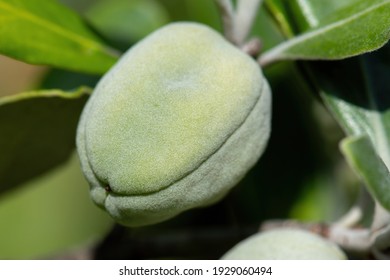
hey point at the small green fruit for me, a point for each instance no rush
(175, 124)
(285, 244)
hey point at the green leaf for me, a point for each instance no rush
(279, 10)
(37, 132)
(297, 16)
(313, 13)
(353, 30)
(363, 158)
(45, 32)
(357, 91)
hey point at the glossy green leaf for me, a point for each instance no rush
(363, 158)
(353, 30)
(357, 93)
(313, 13)
(37, 132)
(45, 32)
(297, 16)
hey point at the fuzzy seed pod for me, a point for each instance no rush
(285, 244)
(174, 125)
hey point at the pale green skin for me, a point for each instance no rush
(175, 124)
(285, 244)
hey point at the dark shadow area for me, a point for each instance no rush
(363, 81)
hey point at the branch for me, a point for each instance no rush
(381, 218)
(245, 16)
(350, 239)
(358, 211)
(381, 246)
(318, 228)
(351, 218)
(252, 47)
(272, 55)
(237, 24)
(227, 15)
(380, 229)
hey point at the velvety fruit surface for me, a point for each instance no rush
(175, 124)
(285, 244)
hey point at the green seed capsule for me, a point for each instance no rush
(174, 125)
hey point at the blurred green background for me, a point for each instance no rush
(302, 174)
